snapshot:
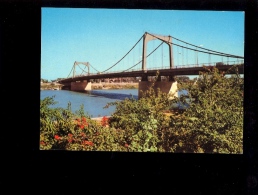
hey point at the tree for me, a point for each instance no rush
(182, 78)
(141, 119)
(214, 121)
(44, 80)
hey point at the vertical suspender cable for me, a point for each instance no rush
(140, 54)
(73, 70)
(128, 60)
(133, 57)
(162, 56)
(177, 56)
(197, 58)
(182, 55)
(186, 56)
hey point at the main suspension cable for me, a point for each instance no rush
(146, 57)
(124, 55)
(213, 53)
(202, 47)
(70, 72)
(93, 67)
(83, 69)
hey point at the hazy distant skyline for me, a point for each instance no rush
(102, 36)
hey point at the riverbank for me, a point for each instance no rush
(167, 113)
(102, 85)
(114, 85)
(50, 86)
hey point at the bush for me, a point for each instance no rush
(60, 129)
(53, 121)
(213, 123)
(141, 120)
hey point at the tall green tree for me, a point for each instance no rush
(214, 121)
(141, 119)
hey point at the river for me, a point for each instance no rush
(94, 101)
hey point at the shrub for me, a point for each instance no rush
(141, 120)
(214, 121)
(60, 129)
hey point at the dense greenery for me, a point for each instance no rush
(213, 123)
(115, 86)
(214, 120)
(61, 129)
(44, 80)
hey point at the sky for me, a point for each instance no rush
(103, 36)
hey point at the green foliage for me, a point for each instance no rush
(182, 78)
(141, 119)
(214, 121)
(61, 129)
(53, 121)
(44, 80)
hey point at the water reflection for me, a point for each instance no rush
(112, 94)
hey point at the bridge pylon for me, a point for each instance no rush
(169, 87)
(167, 39)
(84, 63)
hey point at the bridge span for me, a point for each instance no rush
(83, 81)
(145, 73)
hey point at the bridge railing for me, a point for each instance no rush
(199, 65)
(236, 62)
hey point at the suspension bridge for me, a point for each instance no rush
(178, 57)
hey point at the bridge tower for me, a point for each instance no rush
(169, 87)
(84, 63)
(167, 39)
(81, 85)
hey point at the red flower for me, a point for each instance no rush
(70, 135)
(70, 140)
(104, 121)
(83, 134)
(57, 137)
(82, 123)
(42, 143)
(126, 145)
(88, 143)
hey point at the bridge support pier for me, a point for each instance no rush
(168, 87)
(80, 86)
(66, 86)
(172, 78)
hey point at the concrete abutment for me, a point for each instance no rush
(168, 87)
(80, 86)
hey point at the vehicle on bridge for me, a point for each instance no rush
(220, 64)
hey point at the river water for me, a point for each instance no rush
(94, 101)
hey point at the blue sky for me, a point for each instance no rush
(103, 36)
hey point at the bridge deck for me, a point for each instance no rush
(144, 73)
